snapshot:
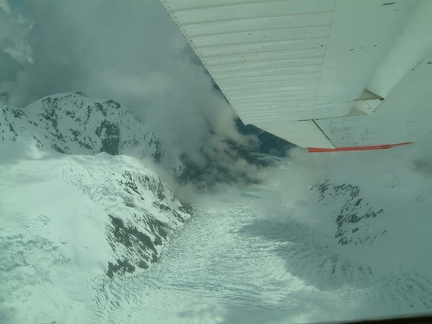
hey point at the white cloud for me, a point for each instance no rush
(132, 52)
(5, 7)
(13, 32)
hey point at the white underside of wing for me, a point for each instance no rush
(318, 73)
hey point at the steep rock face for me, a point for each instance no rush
(138, 238)
(353, 213)
(71, 220)
(74, 124)
(138, 210)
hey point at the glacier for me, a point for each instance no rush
(90, 233)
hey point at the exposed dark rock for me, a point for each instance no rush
(146, 211)
(352, 218)
(74, 124)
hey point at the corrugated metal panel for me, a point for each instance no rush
(266, 56)
(405, 115)
(361, 34)
(289, 66)
(404, 79)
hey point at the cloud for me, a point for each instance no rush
(13, 32)
(406, 168)
(130, 51)
(105, 48)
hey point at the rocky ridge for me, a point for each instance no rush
(88, 139)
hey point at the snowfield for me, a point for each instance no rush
(239, 260)
(89, 237)
(60, 230)
(236, 261)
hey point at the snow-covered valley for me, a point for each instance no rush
(232, 264)
(89, 237)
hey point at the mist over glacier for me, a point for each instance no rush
(94, 222)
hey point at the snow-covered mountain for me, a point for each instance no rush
(72, 123)
(83, 219)
(264, 256)
(70, 202)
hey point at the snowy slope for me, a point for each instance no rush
(75, 124)
(80, 223)
(69, 215)
(68, 218)
(251, 257)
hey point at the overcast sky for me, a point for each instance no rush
(130, 51)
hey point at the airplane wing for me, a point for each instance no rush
(323, 74)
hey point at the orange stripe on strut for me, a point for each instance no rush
(356, 148)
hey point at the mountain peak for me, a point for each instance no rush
(72, 123)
